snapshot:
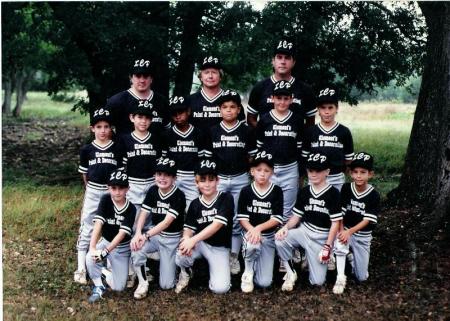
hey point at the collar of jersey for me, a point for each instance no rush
(319, 193)
(141, 140)
(210, 100)
(150, 96)
(259, 194)
(180, 133)
(227, 129)
(329, 130)
(291, 81)
(281, 121)
(121, 210)
(103, 147)
(169, 193)
(208, 205)
(363, 194)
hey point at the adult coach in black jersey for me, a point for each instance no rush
(260, 101)
(140, 93)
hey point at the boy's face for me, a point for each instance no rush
(361, 176)
(141, 82)
(164, 181)
(261, 173)
(181, 117)
(316, 177)
(207, 184)
(141, 122)
(283, 64)
(118, 193)
(327, 113)
(281, 103)
(101, 130)
(229, 111)
(210, 77)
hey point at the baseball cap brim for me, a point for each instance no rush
(258, 161)
(206, 171)
(100, 118)
(362, 164)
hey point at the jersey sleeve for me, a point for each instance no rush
(373, 208)
(251, 142)
(306, 142)
(178, 207)
(345, 198)
(208, 150)
(242, 213)
(299, 207)
(147, 203)
(225, 213)
(253, 100)
(348, 146)
(191, 218)
(128, 222)
(84, 160)
(309, 102)
(165, 142)
(277, 206)
(202, 143)
(101, 214)
(260, 135)
(334, 206)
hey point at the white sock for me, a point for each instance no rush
(340, 265)
(130, 268)
(97, 281)
(82, 260)
(248, 266)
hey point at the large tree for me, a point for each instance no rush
(426, 176)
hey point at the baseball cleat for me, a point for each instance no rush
(80, 277)
(289, 281)
(141, 290)
(339, 287)
(97, 294)
(247, 282)
(183, 281)
(235, 266)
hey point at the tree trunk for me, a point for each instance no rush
(426, 175)
(23, 79)
(192, 17)
(6, 106)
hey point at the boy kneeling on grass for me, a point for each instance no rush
(113, 224)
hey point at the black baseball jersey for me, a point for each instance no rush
(303, 104)
(231, 147)
(280, 137)
(140, 155)
(99, 162)
(258, 208)
(205, 111)
(124, 103)
(201, 214)
(317, 209)
(159, 205)
(115, 219)
(185, 148)
(336, 143)
(359, 206)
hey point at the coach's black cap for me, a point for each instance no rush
(210, 62)
(141, 66)
(101, 114)
(317, 161)
(118, 178)
(166, 165)
(177, 103)
(327, 95)
(263, 157)
(143, 107)
(206, 167)
(362, 160)
(284, 47)
(282, 88)
(230, 95)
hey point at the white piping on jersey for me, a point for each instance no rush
(141, 181)
(123, 208)
(139, 139)
(329, 130)
(262, 194)
(169, 193)
(278, 167)
(224, 176)
(316, 229)
(312, 112)
(319, 193)
(180, 133)
(211, 203)
(103, 147)
(150, 95)
(210, 100)
(291, 80)
(363, 194)
(97, 186)
(230, 129)
(281, 121)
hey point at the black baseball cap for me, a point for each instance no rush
(230, 95)
(282, 88)
(118, 178)
(141, 66)
(177, 103)
(317, 161)
(263, 157)
(363, 160)
(285, 47)
(210, 62)
(101, 114)
(143, 107)
(166, 165)
(206, 167)
(327, 95)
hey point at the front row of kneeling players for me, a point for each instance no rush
(321, 224)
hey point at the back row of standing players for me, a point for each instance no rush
(211, 124)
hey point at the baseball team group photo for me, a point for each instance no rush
(225, 160)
